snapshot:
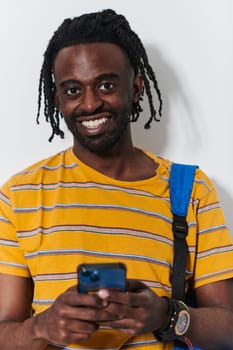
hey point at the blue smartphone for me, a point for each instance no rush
(92, 277)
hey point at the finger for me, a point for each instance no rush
(72, 298)
(74, 331)
(130, 299)
(126, 325)
(111, 295)
(78, 326)
(96, 315)
(118, 311)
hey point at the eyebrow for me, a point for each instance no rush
(100, 77)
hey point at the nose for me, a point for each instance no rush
(90, 101)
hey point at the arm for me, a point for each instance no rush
(15, 314)
(211, 324)
(65, 321)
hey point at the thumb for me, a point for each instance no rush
(135, 285)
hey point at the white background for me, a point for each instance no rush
(190, 46)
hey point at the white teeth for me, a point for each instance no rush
(92, 124)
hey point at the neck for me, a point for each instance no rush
(125, 163)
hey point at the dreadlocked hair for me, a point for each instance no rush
(104, 26)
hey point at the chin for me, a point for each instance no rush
(99, 145)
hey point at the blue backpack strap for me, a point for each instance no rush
(181, 184)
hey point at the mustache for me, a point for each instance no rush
(75, 116)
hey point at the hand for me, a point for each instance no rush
(138, 311)
(72, 318)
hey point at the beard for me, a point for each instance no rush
(103, 143)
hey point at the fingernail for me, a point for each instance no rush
(103, 293)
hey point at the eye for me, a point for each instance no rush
(106, 86)
(72, 91)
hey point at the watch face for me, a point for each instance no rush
(182, 323)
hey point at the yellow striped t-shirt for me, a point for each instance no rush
(59, 213)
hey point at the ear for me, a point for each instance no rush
(138, 87)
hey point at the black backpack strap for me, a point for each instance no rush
(181, 184)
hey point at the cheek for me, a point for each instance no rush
(67, 107)
(121, 101)
(126, 102)
(127, 95)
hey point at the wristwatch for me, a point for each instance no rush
(178, 324)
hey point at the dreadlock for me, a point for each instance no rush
(104, 26)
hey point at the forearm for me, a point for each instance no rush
(211, 328)
(21, 335)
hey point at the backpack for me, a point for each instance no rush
(181, 184)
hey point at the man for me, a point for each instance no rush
(106, 201)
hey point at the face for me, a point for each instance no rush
(95, 89)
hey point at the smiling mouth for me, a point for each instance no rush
(93, 124)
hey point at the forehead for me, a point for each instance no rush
(88, 60)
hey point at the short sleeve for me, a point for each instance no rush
(12, 259)
(214, 258)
